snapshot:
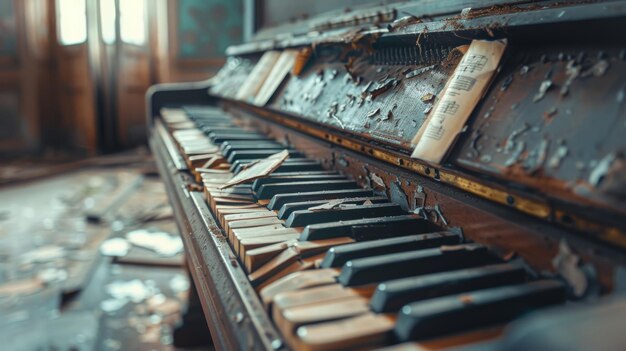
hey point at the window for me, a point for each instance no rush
(108, 16)
(133, 22)
(72, 16)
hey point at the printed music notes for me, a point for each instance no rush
(458, 99)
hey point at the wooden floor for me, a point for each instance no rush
(89, 301)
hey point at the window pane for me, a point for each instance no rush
(107, 20)
(72, 17)
(133, 21)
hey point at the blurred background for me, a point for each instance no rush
(73, 73)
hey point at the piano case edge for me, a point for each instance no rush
(233, 311)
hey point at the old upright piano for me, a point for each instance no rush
(423, 175)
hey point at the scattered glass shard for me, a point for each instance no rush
(43, 254)
(115, 247)
(164, 244)
(112, 305)
(179, 283)
(133, 290)
(51, 275)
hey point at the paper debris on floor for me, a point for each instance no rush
(133, 290)
(115, 247)
(21, 287)
(179, 283)
(112, 305)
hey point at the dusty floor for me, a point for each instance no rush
(65, 284)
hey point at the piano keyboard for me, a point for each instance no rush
(339, 266)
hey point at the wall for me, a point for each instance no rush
(275, 12)
(19, 74)
(198, 32)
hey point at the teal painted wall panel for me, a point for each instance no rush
(8, 33)
(207, 27)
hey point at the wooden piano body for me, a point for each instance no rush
(537, 172)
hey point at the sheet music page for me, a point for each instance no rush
(257, 76)
(258, 169)
(283, 66)
(458, 99)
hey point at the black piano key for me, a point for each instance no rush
(226, 146)
(290, 207)
(208, 118)
(246, 187)
(299, 166)
(259, 154)
(303, 176)
(338, 256)
(248, 143)
(218, 139)
(302, 218)
(371, 231)
(405, 264)
(216, 122)
(237, 191)
(289, 174)
(216, 132)
(235, 131)
(280, 199)
(204, 111)
(478, 309)
(213, 121)
(369, 228)
(209, 129)
(295, 165)
(268, 190)
(230, 150)
(390, 296)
